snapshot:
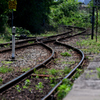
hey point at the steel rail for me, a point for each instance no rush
(69, 75)
(17, 42)
(72, 71)
(21, 77)
(46, 39)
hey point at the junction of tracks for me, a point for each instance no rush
(29, 76)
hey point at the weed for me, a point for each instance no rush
(70, 62)
(98, 69)
(30, 42)
(30, 89)
(39, 86)
(6, 62)
(4, 69)
(24, 87)
(46, 78)
(31, 77)
(67, 70)
(65, 54)
(64, 89)
(27, 82)
(1, 80)
(25, 69)
(53, 71)
(52, 81)
(18, 88)
(34, 70)
(79, 70)
(37, 76)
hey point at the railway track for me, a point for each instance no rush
(57, 46)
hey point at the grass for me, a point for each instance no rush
(1, 80)
(98, 69)
(91, 46)
(25, 69)
(39, 86)
(6, 62)
(65, 54)
(30, 42)
(66, 62)
(2, 41)
(64, 89)
(5, 69)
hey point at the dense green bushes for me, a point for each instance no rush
(3, 14)
(36, 15)
(68, 13)
(32, 14)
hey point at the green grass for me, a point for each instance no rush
(25, 69)
(65, 54)
(66, 62)
(1, 80)
(30, 42)
(5, 69)
(91, 46)
(6, 62)
(39, 86)
(2, 41)
(64, 89)
(98, 69)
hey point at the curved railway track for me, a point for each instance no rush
(48, 41)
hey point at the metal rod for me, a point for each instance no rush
(96, 22)
(92, 24)
(13, 46)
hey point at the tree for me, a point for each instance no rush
(32, 14)
(3, 14)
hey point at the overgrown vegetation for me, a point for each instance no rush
(98, 69)
(42, 16)
(68, 13)
(66, 54)
(66, 85)
(5, 69)
(90, 46)
(64, 89)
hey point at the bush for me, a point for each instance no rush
(3, 14)
(67, 13)
(32, 14)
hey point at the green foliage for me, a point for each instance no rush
(67, 13)
(18, 88)
(66, 54)
(53, 81)
(25, 69)
(32, 14)
(3, 14)
(24, 87)
(6, 62)
(91, 45)
(64, 89)
(39, 86)
(53, 71)
(98, 69)
(27, 82)
(20, 31)
(3, 22)
(67, 70)
(5, 69)
(1, 80)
